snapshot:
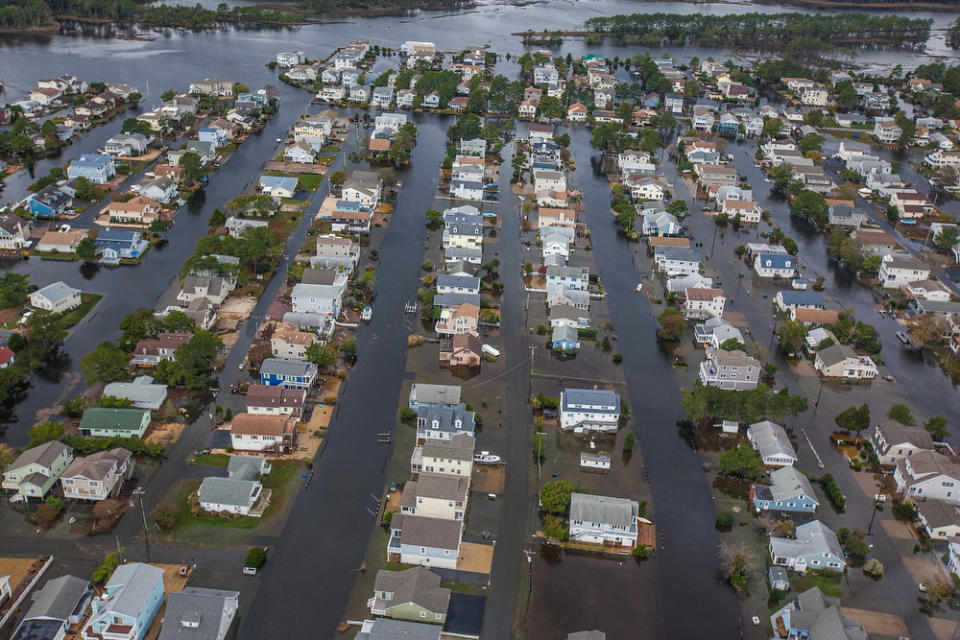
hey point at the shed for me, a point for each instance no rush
(778, 579)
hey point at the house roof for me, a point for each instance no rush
(812, 538)
(924, 463)
(787, 482)
(118, 419)
(619, 512)
(791, 297)
(435, 393)
(142, 390)
(459, 447)
(565, 333)
(258, 425)
(43, 455)
(133, 582)
(96, 466)
(775, 260)
(771, 439)
(895, 433)
(704, 295)
(820, 316)
(56, 291)
(835, 354)
(276, 366)
(439, 486)
(228, 491)
(278, 182)
(592, 397)
(245, 467)
(469, 342)
(209, 609)
(446, 417)
(58, 599)
(464, 282)
(418, 585)
(938, 514)
(386, 629)
(423, 531)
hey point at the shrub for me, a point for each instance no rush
(407, 415)
(165, 517)
(555, 527)
(905, 510)
(628, 443)
(255, 557)
(102, 573)
(837, 500)
(641, 552)
(725, 521)
(873, 568)
(617, 358)
(388, 517)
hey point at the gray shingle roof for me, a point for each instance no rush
(459, 447)
(418, 585)
(386, 629)
(58, 598)
(615, 511)
(240, 493)
(423, 531)
(435, 393)
(592, 397)
(134, 583)
(211, 610)
(55, 291)
(43, 455)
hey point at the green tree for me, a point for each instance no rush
(45, 432)
(810, 205)
(854, 419)
(45, 329)
(337, 178)
(132, 125)
(772, 128)
(179, 322)
(14, 289)
(192, 166)
(672, 325)
(322, 355)
(105, 363)
(901, 413)
(678, 208)
(732, 344)
(192, 361)
(741, 461)
(86, 190)
(555, 496)
(87, 249)
(937, 426)
(945, 240)
(783, 405)
(168, 95)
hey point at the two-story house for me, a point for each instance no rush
(604, 520)
(438, 495)
(893, 441)
(425, 541)
(411, 594)
(268, 400)
(443, 422)
(130, 601)
(589, 410)
(257, 432)
(293, 374)
(732, 370)
(453, 456)
(36, 470)
(97, 476)
(931, 475)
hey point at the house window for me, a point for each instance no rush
(423, 614)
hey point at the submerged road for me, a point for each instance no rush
(305, 586)
(683, 508)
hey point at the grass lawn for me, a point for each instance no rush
(294, 202)
(213, 460)
(832, 585)
(228, 148)
(88, 302)
(205, 528)
(309, 181)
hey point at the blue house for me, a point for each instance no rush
(49, 202)
(130, 601)
(212, 134)
(728, 124)
(651, 100)
(789, 490)
(97, 168)
(565, 338)
(290, 374)
(429, 542)
(112, 245)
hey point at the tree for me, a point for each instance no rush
(337, 178)
(45, 329)
(927, 330)
(86, 190)
(810, 205)
(191, 362)
(873, 568)
(678, 208)
(783, 405)
(105, 363)
(937, 426)
(791, 335)
(45, 432)
(168, 95)
(87, 248)
(945, 240)
(854, 419)
(322, 355)
(255, 557)
(434, 219)
(901, 413)
(732, 344)
(7, 455)
(14, 289)
(138, 325)
(672, 325)
(810, 142)
(772, 128)
(725, 521)
(192, 165)
(132, 125)
(555, 496)
(741, 461)
(179, 322)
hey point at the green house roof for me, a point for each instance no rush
(116, 419)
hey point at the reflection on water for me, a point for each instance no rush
(89, 270)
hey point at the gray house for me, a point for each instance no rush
(61, 603)
(142, 392)
(433, 395)
(815, 547)
(386, 629)
(199, 614)
(813, 615)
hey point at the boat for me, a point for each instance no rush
(367, 314)
(903, 337)
(279, 139)
(639, 287)
(485, 457)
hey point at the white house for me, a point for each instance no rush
(773, 443)
(893, 441)
(594, 410)
(57, 297)
(603, 520)
(900, 269)
(928, 475)
(731, 370)
(770, 265)
(840, 361)
(704, 303)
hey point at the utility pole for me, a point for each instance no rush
(876, 507)
(143, 514)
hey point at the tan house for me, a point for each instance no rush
(287, 342)
(252, 432)
(461, 318)
(60, 241)
(465, 350)
(136, 210)
(98, 476)
(551, 217)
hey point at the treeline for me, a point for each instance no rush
(953, 34)
(197, 17)
(766, 31)
(23, 14)
(380, 7)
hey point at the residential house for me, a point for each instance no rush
(788, 299)
(49, 202)
(550, 217)
(590, 410)
(462, 350)
(841, 361)
(731, 370)
(130, 601)
(111, 423)
(577, 112)
(931, 290)
(334, 252)
(773, 443)
(886, 130)
(214, 87)
(381, 97)
(95, 168)
(773, 265)
(137, 210)
(142, 393)
(299, 152)
(36, 470)
(213, 288)
(454, 456)
(60, 604)
(789, 490)
(240, 493)
(57, 297)
(270, 400)
(14, 231)
(292, 374)
(748, 210)
(150, 351)
(433, 395)
(425, 541)
(386, 629)
(286, 342)
(715, 175)
(97, 476)
(714, 332)
(199, 613)
(258, 432)
(462, 318)
(813, 615)
(60, 241)
(437, 495)
(126, 144)
(702, 303)
(444, 422)
(278, 186)
(565, 338)
(928, 475)
(116, 245)
(815, 547)
(604, 520)
(318, 299)
(941, 520)
(814, 317)
(411, 594)
(569, 277)
(676, 261)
